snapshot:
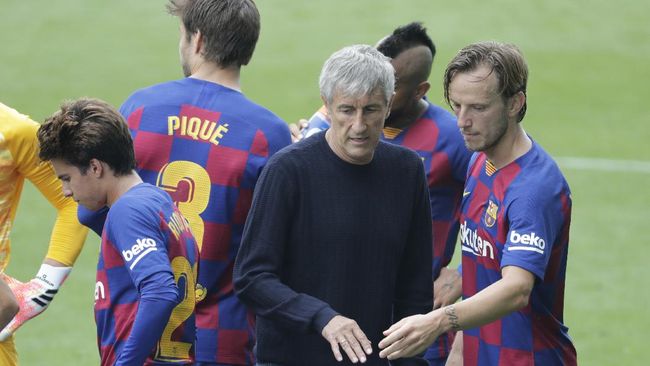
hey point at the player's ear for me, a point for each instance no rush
(422, 89)
(95, 167)
(516, 102)
(198, 46)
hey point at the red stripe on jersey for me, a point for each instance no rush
(134, 118)
(422, 136)
(216, 233)
(470, 349)
(260, 145)
(232, 339)
(153, 150)
(440, 171)
(226, 165)
(506, 175)
(190, 111)
(491, 333)
(515, 357)
(244, 201)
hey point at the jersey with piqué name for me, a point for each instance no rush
(518, 215)
(206, 145)
(145, 234)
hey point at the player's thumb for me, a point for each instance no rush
(6, 333)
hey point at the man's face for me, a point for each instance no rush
(481, 111)
(356, 123)
(83, 188)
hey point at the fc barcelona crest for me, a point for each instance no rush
(491, 214)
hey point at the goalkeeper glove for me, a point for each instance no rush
(34, 296)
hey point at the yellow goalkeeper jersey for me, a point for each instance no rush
(19, 160)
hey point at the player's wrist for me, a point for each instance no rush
(52, 276)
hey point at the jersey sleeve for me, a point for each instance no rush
(94, 220)
(319, 121)
(535, 218)
(68, 235)
(135, 232)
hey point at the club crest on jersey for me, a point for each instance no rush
(491, 214)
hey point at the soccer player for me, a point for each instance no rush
(515, 218)
(205, 143)
(19, 161)
(431, 131)
(146, 275)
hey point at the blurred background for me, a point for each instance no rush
(587, 105)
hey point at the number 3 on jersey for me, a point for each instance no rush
(189, 186)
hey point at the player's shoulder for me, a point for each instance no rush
(440, 116)
(540, 178)
(139, 201)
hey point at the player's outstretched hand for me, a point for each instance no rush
(409, 336)
(344, 333)
(34, 296)
(447, 288)
(296, 129)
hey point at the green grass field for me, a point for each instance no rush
(588, 84)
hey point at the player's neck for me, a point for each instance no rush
(228, 77)
(408, 117)
(510, 147)
(121, 185)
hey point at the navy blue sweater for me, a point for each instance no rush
(325, 237)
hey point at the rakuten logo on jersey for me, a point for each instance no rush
(531, 242)
(139, 250)
(473, 243)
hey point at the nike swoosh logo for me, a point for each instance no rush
(466, 193)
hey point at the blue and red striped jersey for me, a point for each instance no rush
(145, 234)
(206, 145)
(518, 215)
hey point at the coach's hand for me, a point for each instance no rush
(345, 333)
(34, 296)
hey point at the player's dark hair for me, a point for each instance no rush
(86, 129)
(230, 28)
(506, 60)
(404, 38)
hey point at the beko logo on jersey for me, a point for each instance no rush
(472, 242)
(139, 250)
(531, 242)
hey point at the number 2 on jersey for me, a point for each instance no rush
(185, 277)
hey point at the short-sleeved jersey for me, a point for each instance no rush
(436, 138)
(19, 160)
(144, 234)
(206, 145)
(519, 216)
